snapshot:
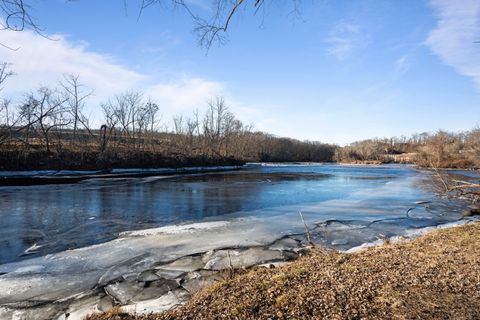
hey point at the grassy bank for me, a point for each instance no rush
(436, 276)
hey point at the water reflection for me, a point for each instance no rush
(58, 217)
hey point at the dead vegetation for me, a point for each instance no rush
(434, 277)
(441, 150)
(49, 129)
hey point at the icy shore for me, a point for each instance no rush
(41, 177)
(69, 284)
(155, 269)
(151, 270)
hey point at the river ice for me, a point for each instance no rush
(156, 268)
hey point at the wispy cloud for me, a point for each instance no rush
(455, 38)
(344, 40)
(402, 64)
(184, 93)
(41, 61)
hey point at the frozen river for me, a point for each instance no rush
(39, 220)
(148, 243)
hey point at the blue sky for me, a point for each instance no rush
(342, 71)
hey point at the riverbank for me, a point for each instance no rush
(44, 177)
(435, 276)
(144, 270)
(72, 271)
(94, 160)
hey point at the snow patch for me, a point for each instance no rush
(410, 234)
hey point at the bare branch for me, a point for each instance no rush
(5, 72)
(16, 16)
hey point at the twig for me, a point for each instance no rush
(465, 182)
(465, 186)
(230, 265)
(440, 176)
(307, 233)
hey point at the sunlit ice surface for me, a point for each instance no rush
(343, 205)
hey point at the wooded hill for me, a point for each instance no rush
(439, 150)
(49, 130)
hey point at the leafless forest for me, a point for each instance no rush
(48, 129)
(439, 150)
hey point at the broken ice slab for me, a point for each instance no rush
(226, 259)
(68, 273)
(148, 275)
(184, 264)
(165, 302)
(132, 292)
(195, 281)
(77, 309)
(169, 274)
(285, 244)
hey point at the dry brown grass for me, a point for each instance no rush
(434, 277)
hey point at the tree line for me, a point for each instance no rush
(439, 150)
(48, 128)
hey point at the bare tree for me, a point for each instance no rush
(17, 16)
(178, 125)
(193, 129)
(5, 73)
(5, 114)
(151, 111)
(111, 119)
(213, 29)
(8, 120)
(75, 95)
(125, 112)
(219, 126)
(44, 111)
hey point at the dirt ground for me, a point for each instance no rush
(436, 276)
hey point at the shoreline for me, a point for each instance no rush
(172, 281)
(357, 284)
(69, 177)
(318, 210)
(47, 177)
(155, 269)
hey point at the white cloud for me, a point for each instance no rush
(40, 61)
(455, 38)
(184, 93)
(344, 40)
(402, 64)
